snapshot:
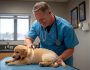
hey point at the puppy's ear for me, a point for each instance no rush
(23, 53)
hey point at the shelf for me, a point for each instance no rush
(7, 48)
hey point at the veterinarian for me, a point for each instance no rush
(55, 33)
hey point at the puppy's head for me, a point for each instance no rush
(20, 52)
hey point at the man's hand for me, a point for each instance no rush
(59, 61)
(31, 46)
(29, 43)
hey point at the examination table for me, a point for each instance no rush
(4, 66)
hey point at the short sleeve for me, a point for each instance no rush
(70, 38)
(32, 33)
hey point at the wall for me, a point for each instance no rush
(89, 33)
(26, 7)
(81, 55)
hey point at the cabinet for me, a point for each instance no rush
(6, 51)
(5, 54)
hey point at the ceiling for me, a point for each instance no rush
(49, 0)
(40, 0)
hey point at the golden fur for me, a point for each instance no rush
(25, 55)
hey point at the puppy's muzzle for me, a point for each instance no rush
(16, 57)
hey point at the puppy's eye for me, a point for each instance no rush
(17, 52)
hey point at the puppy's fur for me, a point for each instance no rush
(25, 55)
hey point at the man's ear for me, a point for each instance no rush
(49, 12)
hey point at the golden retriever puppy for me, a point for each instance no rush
(25, 55)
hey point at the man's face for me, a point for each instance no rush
(43, 18)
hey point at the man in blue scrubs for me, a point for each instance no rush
(55, 33)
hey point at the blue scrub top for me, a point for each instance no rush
(66, 36)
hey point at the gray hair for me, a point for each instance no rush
(43, 6)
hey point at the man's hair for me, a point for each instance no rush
(43, 6)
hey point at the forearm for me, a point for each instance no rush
(66, 54)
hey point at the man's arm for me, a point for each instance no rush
(65, 55)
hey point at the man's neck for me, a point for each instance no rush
(52, 19)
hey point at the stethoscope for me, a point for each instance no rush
(45, 34)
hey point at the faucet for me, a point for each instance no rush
(8, 47)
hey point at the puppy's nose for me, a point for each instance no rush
(13, 56)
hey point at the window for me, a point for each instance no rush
(14, 27)
(22, 28)
(6, 29)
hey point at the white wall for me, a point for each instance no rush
(26, 7)
(15, 7)
(89, 33)
(81, 55)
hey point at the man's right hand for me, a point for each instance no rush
(29, 43)
(31, 46)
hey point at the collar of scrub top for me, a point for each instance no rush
(57, 40)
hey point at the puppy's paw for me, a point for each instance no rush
(41, 65)
(55, 65)
(44, 64)
(7, 62)
(11, 64)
